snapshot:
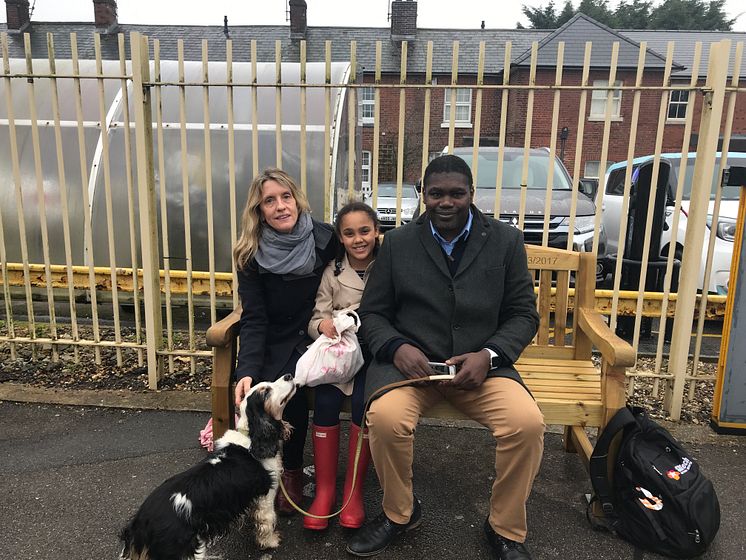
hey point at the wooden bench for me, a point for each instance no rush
(557, 367)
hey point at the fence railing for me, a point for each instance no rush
(126, 178)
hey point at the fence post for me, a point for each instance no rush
(691, 260)
(147, 205)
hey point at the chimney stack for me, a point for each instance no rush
(17, 15)
(403, 20)
(105, 15)
(298, 21)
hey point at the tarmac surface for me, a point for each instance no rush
(72, 475)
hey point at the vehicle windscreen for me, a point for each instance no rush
(729, 192)
(538, 171)
(388, 190)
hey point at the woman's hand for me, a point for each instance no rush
(242, 387)
(326, 327)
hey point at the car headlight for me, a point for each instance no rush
(726, 229)
(583, 224)
(407, 212)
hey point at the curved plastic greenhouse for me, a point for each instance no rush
(84, 165)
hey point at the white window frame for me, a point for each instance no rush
(597, 165)
(366, 158)
(678, 103)
(598, 99)
(367, 99)
(459, 123)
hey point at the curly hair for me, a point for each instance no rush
(354, 206)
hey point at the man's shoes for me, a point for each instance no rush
(376, 535)
(504, 549)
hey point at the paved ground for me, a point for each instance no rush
(72, 475)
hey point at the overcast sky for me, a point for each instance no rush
(362, 13)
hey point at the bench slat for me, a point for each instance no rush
(545, 299)
(549, 352)
(548, 258)
(560, 313)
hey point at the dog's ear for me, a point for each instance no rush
(265, 436)
(243, 423)
(265, 431)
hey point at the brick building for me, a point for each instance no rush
(403, 27)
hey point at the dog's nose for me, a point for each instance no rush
(287, 377)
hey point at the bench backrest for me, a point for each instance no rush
(554, 270)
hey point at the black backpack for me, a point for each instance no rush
(658, 500)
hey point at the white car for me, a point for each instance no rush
(726, 227)
(386, 203)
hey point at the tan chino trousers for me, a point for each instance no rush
(500, 404)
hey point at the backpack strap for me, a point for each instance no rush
(598, 465)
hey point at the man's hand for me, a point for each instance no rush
(473, 369)
(326, 327)
(411, 362)
(242, 387)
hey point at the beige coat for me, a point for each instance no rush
(336, 293)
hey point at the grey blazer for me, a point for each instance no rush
(488, 303)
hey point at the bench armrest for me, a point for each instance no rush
(615, 351)
(223, 332)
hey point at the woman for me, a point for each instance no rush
(280, 257)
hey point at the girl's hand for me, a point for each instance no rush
(326, 327)
(242, 387)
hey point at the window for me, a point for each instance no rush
(367, 105)
(677, 102)
(592, 167)
(598, 100)
(365, 170)
(463, 106)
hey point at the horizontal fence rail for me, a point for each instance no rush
(124, 179)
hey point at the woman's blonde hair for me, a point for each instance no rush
(252, 222)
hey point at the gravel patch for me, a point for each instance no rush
(36, 367)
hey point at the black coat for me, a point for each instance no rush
(410, 294)
(276, 311)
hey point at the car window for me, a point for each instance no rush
(388, 190)
(615, 184)
(729, 192)
(538, 168)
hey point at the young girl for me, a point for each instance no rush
(341, 288)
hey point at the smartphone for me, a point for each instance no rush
(442, 369)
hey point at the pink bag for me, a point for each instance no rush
(206, 437)
(332, 360)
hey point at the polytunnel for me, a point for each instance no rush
(83, 163)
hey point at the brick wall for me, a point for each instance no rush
(403, 18)
(542, 120)
(17, 13)
(105, 13)
(413, 124)
(619, 134)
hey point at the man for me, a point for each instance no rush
(452, 286)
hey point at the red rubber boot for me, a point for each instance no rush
(325, 458)
(353, 515)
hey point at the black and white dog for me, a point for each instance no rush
(191, 509)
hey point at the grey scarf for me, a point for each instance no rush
(288, 253)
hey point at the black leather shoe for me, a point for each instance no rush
(376, 535)
(504, 549)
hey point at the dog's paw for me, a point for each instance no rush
(287, 429)
(271, 540)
